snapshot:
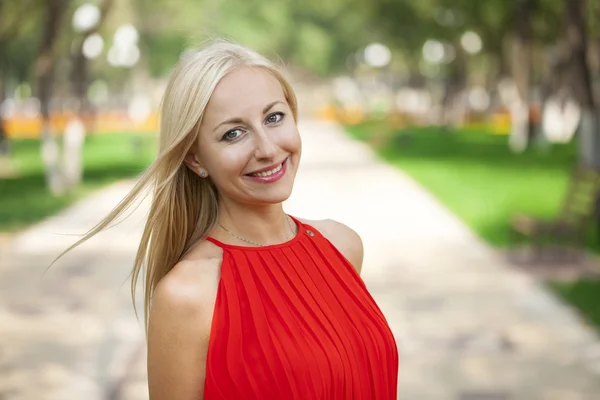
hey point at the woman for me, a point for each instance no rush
(243, 301)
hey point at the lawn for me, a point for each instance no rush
(107, 158)
(478, 178)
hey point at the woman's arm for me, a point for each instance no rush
(178, 334)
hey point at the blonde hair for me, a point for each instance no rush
(184, 206)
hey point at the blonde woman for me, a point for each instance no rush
(243, 301)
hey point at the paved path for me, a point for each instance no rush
(71, 333)
(467, 326)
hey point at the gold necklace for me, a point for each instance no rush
(258, 244)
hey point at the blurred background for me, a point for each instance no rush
(488, 110)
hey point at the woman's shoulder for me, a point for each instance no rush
(191, 285)
(344, 238)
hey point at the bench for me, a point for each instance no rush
(568, 230)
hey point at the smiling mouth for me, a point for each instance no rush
(269, 172)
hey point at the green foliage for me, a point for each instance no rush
(162, 51)
(313, 34)
(12, 22)
(20, 53)
(19, 38)
(409, 24)
(314, 48)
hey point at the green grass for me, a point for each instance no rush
(475, 175)
(24, 198)
(584, 295)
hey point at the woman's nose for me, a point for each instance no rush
(265, 147)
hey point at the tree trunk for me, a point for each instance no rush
(594, 39)
(4, 144)
(495, 43)
(78, 128)
(522, 60)
(81, 72)
(6, 169)
(81, 79)
(498, 74)
(575, 35)
(454, 103)
(44, 71)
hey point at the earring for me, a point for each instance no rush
(203, 174)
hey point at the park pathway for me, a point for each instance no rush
(468, 327)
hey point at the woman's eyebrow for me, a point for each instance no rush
(270, 105)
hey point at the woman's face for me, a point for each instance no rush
(249, 144)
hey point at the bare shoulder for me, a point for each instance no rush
(179, 325)
(344, 238)
(189, 285)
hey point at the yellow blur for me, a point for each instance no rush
(24, 127)
(498, 123)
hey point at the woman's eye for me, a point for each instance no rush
(275, 117)
(232, 134)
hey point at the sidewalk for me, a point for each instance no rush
(467, 326)
(71, 333)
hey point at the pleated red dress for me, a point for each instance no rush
(295, 321)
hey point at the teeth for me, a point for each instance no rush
(269, 173)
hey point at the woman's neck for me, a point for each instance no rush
(264, 225)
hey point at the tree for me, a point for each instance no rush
(314, 35)
(76, 129)
(575, 45)
(12, 28)
(54, 14)
(80, 63)
(522, 68)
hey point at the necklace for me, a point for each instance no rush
(254, 243)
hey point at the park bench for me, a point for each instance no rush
(566, 233)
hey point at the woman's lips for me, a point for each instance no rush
(271, 174)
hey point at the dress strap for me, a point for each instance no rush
(306, 229)
(214, 241)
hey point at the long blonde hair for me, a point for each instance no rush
(183, 208)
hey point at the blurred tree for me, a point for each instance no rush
(594, 36)
(165, 29)
(80, 63)
(313, 35)
(15, 57)
(54, 15)
(574, 51)
(522, 68)
(325, 34)
(78, 127)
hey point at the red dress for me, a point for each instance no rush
(295, 321)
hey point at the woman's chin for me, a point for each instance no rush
(261, 196)
(271, 197)
(274, 199)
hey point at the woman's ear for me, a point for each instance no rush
(192, 162)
